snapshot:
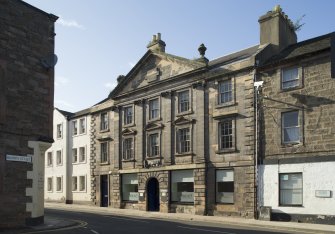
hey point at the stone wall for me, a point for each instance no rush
(26, 100)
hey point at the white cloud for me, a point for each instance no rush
(61, 81)
(110, 85)
(63, 103)
(69, 23)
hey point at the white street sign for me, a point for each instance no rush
(18, 158)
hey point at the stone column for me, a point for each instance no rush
(36, 192)
(199, 191)
(140, 138)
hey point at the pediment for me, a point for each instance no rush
(152, 68)
(152, 126)
(129, 131)
(183, 120)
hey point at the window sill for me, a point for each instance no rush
(223, 203)
(128, 125)
(76, 191)
(189, 112)
(226, 151)
(291, 89)
(154, 120)
(291, 144)
(182, 203)
(59, 165)
(127, 201)
(184, 154)
(104, 130)
(128, 160)
(78, 163)
(301, 206)
(152, 157)
(104, 163)
(228, 104)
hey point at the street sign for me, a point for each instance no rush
(18, 158)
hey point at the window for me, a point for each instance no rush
(49, 159)
(129, 187)
(59, 131)
(74, 127)
(153, 145)
(183, 101)
(128, 115)
(225, 91)
(82, 155)
(226, 134)
(59, 157)
(82, 126)
(74, 155)
(182, 186)
(183, 140)
(104, 121)
(74, 183)
(58, 184)
(104, 152)
(49, 184)
(290, 127)
(128, 147)
(225, 186)
(154, 108)
(290, 189)
(290, 78)
(82, 183)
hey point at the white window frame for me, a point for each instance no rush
(74, 127)
(59, 133)
(59, 184)
(49, 162)
(59, 155)
(74, 155)
(82, 125)
(82, 154)
(49, 184)
(287, 177)
(74, 179)
(285, 128)
(80, 188)
(229, 91)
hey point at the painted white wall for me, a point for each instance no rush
(78, 169)
(55, 170)
(316, 176)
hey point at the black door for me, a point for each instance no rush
(104, 190)
(153, 195)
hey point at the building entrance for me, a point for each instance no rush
(104, 190)
(153, 195)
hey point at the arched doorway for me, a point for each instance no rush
(153, 195)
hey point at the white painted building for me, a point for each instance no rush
(67, 166)
(298, 188)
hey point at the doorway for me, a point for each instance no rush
(153, 194)
(104, 190)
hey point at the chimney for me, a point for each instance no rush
(277, 29)
(157, 44)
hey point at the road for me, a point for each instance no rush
(100, 223)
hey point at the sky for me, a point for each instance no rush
(98, 40)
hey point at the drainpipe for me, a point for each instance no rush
(257, 85)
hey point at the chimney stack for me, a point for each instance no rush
(277, 29)
(157, 44)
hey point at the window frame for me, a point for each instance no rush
(72, 153)
(123, 188)
(50, 153)
(59, 133)
(189, 101)
(72, 180)
(74, 127)
(150, 146)
(132, 149)
(172, 200)
(299, 78)
(82, 128)
(80, 154)
(125, 116)
(179, 142)
(49, 188)
(60, 189)
(279, 189)
(61, 158)
(107, 152)
(104, 122)
(299, 128)
(233, 134)
(85, 183)
(150, 109)
(216, 186)
(231, 91)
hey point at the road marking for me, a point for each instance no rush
(134, 220)
(94, 231)
(81, 224)
(206, 230)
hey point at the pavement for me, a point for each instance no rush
(51, 223)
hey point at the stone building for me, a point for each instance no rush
(26, 105)
(67, 161)
(297, 115)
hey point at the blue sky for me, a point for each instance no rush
(97, 40)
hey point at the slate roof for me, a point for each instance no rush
(302, 48)
(242, 54)
(65, 113)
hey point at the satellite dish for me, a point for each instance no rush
(49, 61)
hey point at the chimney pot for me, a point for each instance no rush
(158, 36)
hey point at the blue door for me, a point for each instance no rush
(104, 190)
(153, 195)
